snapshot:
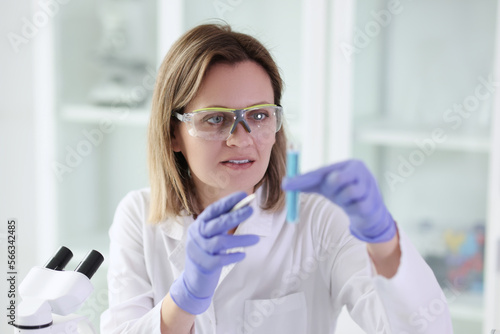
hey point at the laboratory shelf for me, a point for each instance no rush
(393, 136)
(82, 113)
(467, 306)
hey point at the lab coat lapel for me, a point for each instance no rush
(177, 230)
(260, 223)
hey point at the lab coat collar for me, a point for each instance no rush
(174, 227)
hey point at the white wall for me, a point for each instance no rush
(17, 179)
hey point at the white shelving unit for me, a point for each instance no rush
(392, 136)
(492, 264)
(404, 83)
(470, 306)
(81, 114)
(470, 309)
(77, 210)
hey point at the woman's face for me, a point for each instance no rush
(215, 175)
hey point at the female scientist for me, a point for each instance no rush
(182, 262)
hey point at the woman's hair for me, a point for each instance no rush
(179, 78)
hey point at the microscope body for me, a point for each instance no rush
(50, 295)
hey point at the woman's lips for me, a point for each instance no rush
(238, 163)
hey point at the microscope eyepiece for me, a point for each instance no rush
(60, 259)
(90, 263)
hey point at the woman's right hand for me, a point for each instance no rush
(206, 245)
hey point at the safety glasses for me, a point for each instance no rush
(220, 123)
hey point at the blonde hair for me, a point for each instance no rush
(179, 78)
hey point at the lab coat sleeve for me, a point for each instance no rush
(413, 299)
(410, 302)
(131, 308)
(348, 272)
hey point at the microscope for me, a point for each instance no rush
(50, 295)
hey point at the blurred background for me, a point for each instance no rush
(410, 87)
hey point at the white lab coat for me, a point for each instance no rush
(295, 280)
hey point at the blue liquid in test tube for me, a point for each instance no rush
(292, 197)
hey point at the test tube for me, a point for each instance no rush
(292, 197)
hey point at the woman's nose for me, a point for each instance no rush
(240, 137)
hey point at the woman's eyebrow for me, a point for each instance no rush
(225, 107)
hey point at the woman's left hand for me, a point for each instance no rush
(350, 185)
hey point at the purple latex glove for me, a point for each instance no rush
(206, 245)
(350, 185)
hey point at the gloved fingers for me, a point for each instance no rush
(340, 186)
(220, 243)
(226, 259)
(224, 222)
(365, 202)
(371, 212)
(207, 264)
(221, 206)
(309, 182)
(204, 252)
(383, 225)
(354, 184)
(203, 260)
(305, 182)
(350, 186)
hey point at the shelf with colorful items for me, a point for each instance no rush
(456, 256)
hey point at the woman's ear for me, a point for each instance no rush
(176, 145)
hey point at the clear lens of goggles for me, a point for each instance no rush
(219, 124)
